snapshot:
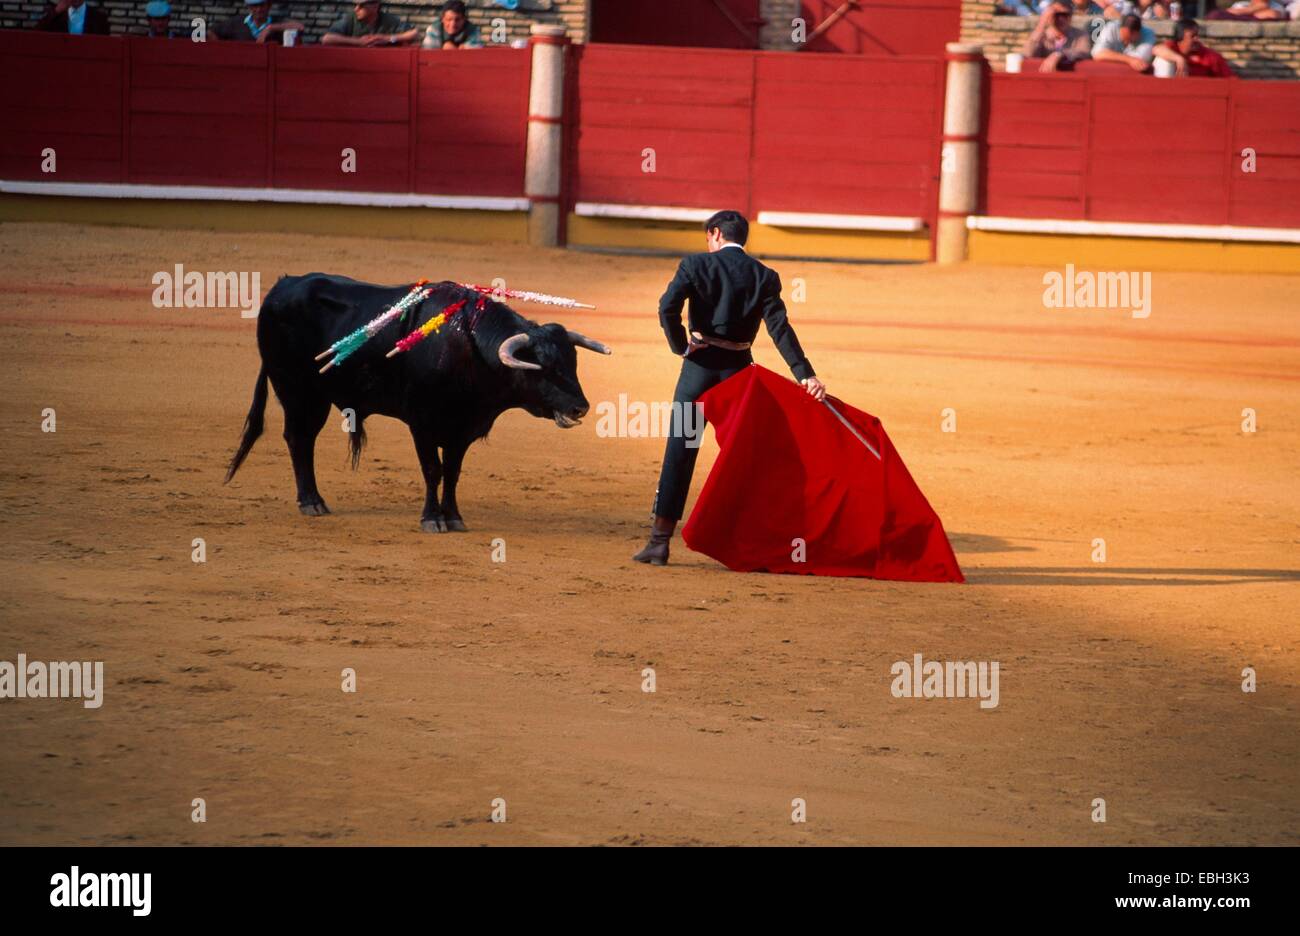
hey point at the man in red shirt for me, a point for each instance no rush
(1190, 57)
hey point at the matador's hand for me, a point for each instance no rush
(816, 389)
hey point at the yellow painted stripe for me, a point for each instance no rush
(356, 220)
(1129, 253)
(686, 237)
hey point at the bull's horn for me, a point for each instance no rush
(507, 353)
(582, 341)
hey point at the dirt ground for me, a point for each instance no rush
(522, 680)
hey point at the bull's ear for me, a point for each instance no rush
(582, 341)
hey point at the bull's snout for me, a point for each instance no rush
(567, 419)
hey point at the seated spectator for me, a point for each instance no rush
(1147, 9)
(159, 14)
(368, 25)
(1036, 7)
(1256, 9)
(1055, 41)
(74, 17)
(259, 25)
(1126, 40)
(1249, 10)
(1150, 9)
(1262, 9)
(1190, 57)
(453, 30)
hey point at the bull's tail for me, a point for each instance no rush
(252, 425)
(356, 442)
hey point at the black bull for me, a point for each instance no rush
(449, 389)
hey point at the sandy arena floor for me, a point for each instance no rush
(522, 680)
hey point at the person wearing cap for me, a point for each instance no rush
(369, 25)
(453, 30)
(159, 15)
(74, 17)
(258, 25)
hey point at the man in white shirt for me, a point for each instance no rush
(1126, 40)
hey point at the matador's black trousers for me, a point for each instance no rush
(705, 368)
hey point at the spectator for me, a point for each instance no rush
(74, 17)
(159, 14)
(368, 25)
(1190, 57)
(260, 25)
(453, 30)
(1034, 7)
(1147, 9)
(1249, 10)
(1126, 40)
(1055, 41)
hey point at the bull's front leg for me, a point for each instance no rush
(432, 520)
(453, 456)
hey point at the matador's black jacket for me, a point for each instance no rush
(729, 292)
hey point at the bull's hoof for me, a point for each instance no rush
(433, 525)
(457, 525)
(318, 509)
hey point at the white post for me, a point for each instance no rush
(544, 162)
(959, 171)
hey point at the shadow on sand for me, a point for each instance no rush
(1113, 575)
(966, 544)
(983, 543)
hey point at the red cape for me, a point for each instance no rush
(788, 468)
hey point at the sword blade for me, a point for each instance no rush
(848, 425)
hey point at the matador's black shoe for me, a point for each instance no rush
(656, 550)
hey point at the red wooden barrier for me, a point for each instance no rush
(328, 100)
(848, 135)
(1266, 118)
(691, 108)
(64, 93)
(198, 114)
(756, 130)
(1128, 148)
(119, 109)
(472, 110)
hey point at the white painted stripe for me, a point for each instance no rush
(644, 212)
(284, 196)
(840, 222)
(1224, 232)
(800, 219)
